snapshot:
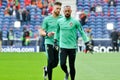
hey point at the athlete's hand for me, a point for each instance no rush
(50, 34)
(55, 44)
(87, 43)
(89, 46)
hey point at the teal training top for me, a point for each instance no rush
(50, 25)
(67, 30)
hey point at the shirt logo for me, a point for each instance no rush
(50, 22)
(71, 24)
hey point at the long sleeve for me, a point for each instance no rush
(83, 34)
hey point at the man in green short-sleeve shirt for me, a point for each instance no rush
(47, 30)
(50, 26)
(67, 32)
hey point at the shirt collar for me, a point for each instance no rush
(67, 18)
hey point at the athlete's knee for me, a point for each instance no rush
(72, 66)
(62, 65)
(55, 64)
(52, 64)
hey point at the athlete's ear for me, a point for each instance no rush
(64, 11)
(70, 11)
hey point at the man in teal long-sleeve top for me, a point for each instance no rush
(66, 34)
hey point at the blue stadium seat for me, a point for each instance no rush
(32, 13)
(98, 36)
(98, 24)
(92, 26)
(118, 9)
(98, 19)
(85, 26)
(92, 23)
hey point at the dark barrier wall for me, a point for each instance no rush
(101, 45)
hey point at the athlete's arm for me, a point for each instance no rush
(45, 33)
(42, 32)
(43, 29)
(83, 34)
(57, 33)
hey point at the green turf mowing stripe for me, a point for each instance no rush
(29, 66)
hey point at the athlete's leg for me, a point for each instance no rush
(63, 57)
(72, 57)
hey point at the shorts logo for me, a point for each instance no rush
(71, 24)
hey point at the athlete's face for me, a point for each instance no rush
(67, 12)
(57, 9)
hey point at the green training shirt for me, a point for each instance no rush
(67, 30)
(50, 25)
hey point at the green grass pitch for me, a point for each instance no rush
(29, 66)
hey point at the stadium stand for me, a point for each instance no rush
(96, 20)
(37, 14)
(99, 20)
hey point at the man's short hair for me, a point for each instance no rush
(58, 3)
(67, 6)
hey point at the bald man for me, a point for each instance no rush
(66, 35)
